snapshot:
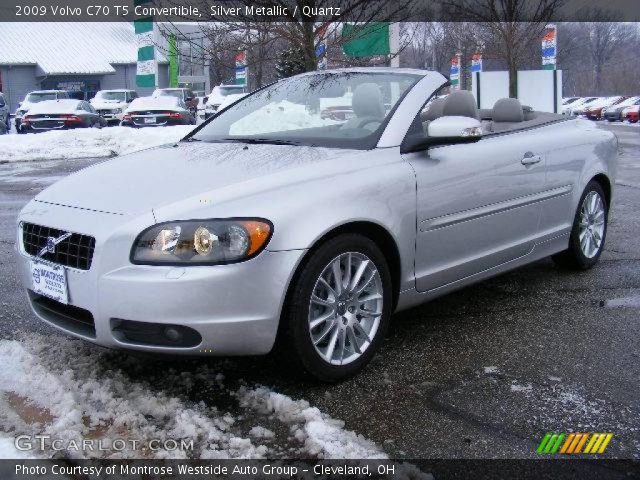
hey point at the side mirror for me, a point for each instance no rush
(445, 130)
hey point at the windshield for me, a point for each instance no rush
(112, 96)
(40, 97)
(344, 110)
(224, 91)
(170, 93)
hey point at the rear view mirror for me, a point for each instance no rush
(445, 130)
(455, 128)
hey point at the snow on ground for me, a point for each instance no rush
(9, 451)
(74, 391)
(86, 142)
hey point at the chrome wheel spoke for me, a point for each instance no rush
(358, 328)
(369, 297)
(331, 326)
(337, 276)
(353, 341)
(332, 345)
(321, 301)
(368, 314)
(317, 321)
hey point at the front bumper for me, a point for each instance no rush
(234, 308)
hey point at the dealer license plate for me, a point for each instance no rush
(49, 280)
(150, 120)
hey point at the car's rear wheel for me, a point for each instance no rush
(338, 309)
(589, 231)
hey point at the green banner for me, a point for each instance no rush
(173, 60)
(366, 40)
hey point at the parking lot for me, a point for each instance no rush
(481, 373)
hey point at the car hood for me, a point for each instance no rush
(147, 180)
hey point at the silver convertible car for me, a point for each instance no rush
(299, 218)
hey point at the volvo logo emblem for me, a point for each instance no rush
(51, 244)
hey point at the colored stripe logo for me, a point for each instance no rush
(574, 443)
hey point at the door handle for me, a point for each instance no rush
(530, 159)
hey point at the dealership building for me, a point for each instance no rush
(83, 58)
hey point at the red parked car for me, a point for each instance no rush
(594, 112)
(633, 114)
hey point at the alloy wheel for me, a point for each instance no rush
(592, 224)
(345, 308)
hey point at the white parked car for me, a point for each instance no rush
(111, 104)
(33, 98)
(219, 94)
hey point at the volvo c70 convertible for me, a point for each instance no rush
(275, 226)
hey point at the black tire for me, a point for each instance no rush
(573, 257)
(294, 345)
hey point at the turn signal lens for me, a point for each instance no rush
(259, 233)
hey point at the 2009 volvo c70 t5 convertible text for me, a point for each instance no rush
(302, 216)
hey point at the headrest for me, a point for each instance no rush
(367, 101)
(461, 104)
(508, 110)
(434, 111)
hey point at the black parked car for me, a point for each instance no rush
(157, 112)
(61, 114)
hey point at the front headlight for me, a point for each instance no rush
(201, 242)
(116, 110)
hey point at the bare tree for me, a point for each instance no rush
(510, 26)
(604, 40)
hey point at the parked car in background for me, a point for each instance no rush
(632, 113)
(567, 109)
(218, 96)
(111, 104)
(614, 112)
(271, 226)
(4, 111)
(61, 114)
(33, 98)
(594, 111)
(580, 105)
(184, 94)
(569, 100)
(156, 112)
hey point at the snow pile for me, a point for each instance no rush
(72, 391)
(279, 117)
(322, 436)
(86, 142)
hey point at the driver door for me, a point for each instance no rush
(478, 206)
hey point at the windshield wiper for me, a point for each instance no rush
(257, 141)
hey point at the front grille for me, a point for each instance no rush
(76, 251)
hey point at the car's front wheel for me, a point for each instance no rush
(338, 309)
(589, 231)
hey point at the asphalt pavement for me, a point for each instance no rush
(481, 373)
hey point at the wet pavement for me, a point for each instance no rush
(481, 373)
